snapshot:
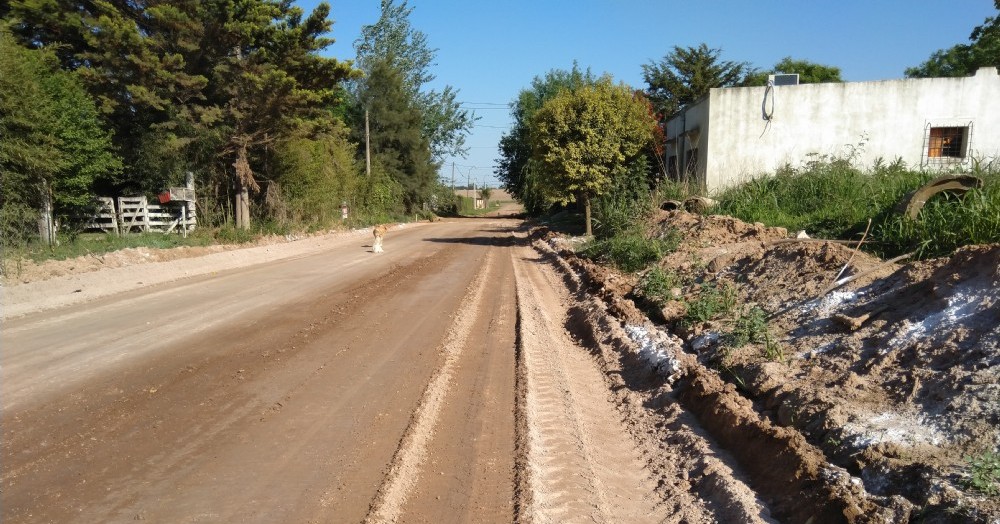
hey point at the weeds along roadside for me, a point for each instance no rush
(829, 199)
(832, 199)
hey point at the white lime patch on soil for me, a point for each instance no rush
(657, 349)
(895, 428)
(966, 301)
(827, 304)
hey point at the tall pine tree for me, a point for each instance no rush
(398, 144)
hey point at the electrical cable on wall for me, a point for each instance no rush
(765, 113)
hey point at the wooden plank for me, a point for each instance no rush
(105, 218)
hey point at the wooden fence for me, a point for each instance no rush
(135, 214)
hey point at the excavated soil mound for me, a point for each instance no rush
(889, 374)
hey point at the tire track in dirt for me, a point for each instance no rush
(468, 475)
(407, 465)
(582, 465)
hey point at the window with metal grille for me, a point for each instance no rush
(947, 142)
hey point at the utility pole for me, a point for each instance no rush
(471, 169)
(368, 148)
(453, 178)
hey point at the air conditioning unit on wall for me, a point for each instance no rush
(784, 80)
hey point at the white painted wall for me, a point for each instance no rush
(885, 119)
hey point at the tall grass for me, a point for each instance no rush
(827, 198)
(631, 251)
(946, 223)
(831, 198)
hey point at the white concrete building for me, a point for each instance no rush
(733, 134)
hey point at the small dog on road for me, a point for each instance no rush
(379, 232)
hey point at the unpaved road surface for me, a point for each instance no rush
(334, 385)
(477, 371)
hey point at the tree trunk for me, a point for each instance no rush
(244, 183)
(586, 212)
(242, 210)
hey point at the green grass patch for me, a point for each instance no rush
(833, 199)
(467, 207)
(100, 243)
(712, 302)
(984, 473)
(656, 285)
(630, 252)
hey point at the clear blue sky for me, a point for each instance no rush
(490, 50)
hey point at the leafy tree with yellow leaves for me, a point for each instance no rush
(583, 140)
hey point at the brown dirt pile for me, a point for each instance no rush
(890, 381)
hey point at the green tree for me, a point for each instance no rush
(52, 143)
(393, 38)
(268, 81)
(207, 86)
(132, 56)
(398, 144)
(513, 168)
(687, 74)
(584, 140)
(485, 194)
(983, 50)
(316, 174)
(30, 153)
(809, 72)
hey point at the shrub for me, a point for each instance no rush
(749, 328)
(984, 473)
(624, 208)
(712, 302)
(630, 252)
(656, 285)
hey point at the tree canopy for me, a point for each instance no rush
(983, 50)
(515, 146)
(392, 38)
(52, 144)
(688, 73)
(205, 86)
(583, 140)
(398, 145)
(809, 72)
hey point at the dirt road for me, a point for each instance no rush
(336, 386)
(472, 373)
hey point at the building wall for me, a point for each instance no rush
(886, 119)
(687, 134)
